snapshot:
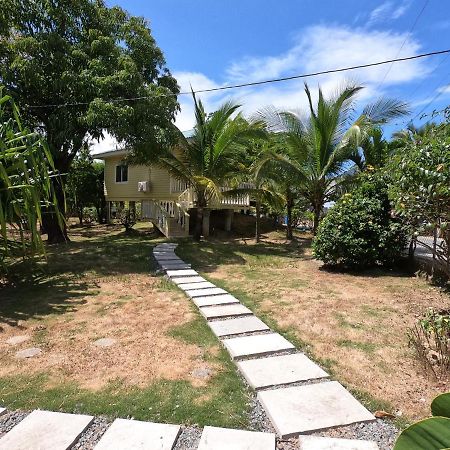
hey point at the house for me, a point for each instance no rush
(167, 202)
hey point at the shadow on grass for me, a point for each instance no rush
(60, 283)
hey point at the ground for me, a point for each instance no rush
(164, 364)
(355, 325)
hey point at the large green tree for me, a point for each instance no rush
(78, 68)
(318, 147)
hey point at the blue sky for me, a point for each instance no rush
(210, 43)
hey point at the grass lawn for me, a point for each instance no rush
(165, 364)
(355, 325)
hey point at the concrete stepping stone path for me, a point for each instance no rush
(325, 443)
(216, 312)
(2, 411)
(105, 342)
(241, 325)
(318, 404)
(227, 439)
(263, 344)
(28, 353)
(276, 370)
(137, 435)
(15, 340)
(45, 430)
(300, 409)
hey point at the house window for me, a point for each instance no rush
(121, 174)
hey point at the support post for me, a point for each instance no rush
(228, 219)
(205, 225)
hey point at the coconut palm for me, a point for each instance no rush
(212, 157)
(373, 151)
(317, 148)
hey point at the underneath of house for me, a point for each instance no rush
(170, 204)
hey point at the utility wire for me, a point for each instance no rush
(439, 93)
(404, 42)
(258, 83)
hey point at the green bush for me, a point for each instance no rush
(359, 230)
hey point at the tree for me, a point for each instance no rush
(318, 148)
(26, 169)
(79, 68)
(212, 157)
(85, 185)
(373, 151)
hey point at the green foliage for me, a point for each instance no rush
(432, 433)
(83, 52)
(84, 187)
(128, 218)
(25, 185)
(359, 230)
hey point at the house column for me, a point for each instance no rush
(205, 225)
(108, 212)
(228, 219)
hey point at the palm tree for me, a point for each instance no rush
(212, 157)
(318, 147)
(412, 133)
(373, 151)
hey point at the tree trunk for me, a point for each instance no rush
(56, 231)
(317, 213)
(258, 213)
(198, 224)
(289, 206)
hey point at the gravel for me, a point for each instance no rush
(92, 434)
(11, 419)
(189, 438)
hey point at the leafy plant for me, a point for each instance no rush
(431, 339)
(359, 230)
(128, 218)
(432, 433)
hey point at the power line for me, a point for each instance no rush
(439, 93)
(258, 83)
(404, 42)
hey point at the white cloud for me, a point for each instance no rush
(316, 48)
(106, 144)
(444, 89)
(388, 10)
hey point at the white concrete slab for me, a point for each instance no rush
(227, 439)
(16, 340)
(2, 411)
(237, 326)
(45, 430)
(278, 370)
(172, 257)
(137, 435)
(213, 300)
(182, 273)
(190, 286)
(182, 280)
(174, 265)
(263, 344)
(164, 252)
(216, 312)
(325, 443)
(300, 409)
(205, 292)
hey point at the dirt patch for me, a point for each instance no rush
(132, 312)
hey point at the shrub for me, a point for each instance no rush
(127, 218)
(359, 231)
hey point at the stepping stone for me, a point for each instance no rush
(165, 257)
(137, 435)
(216, 312)
(2, 411)
(105, 342)
(182, 273)
(227, 439)
(277, 370)
(164, 253)
(299, 409)
(174, 265)
(15, 340)
(325, 443)
(237, 326)
(214, 300)
(45, 430)
(263, 344)
(190, 286)
(182, 280)
(28, 353)
(205, 292)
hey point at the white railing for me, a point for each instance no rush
(164, 214)
(177, 185)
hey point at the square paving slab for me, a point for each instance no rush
(277, 370)
(216, 312)
(237, 326)
(190, 286)
(213, 300)
(325, 443)
(226, 439)
(263, 344)
(174, 266)
(183, 280)
(300, 409)
(45, 430)
(205, 292)
(137, 435)
(182, 273)
(172, 257)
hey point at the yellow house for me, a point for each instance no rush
(167, 202)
